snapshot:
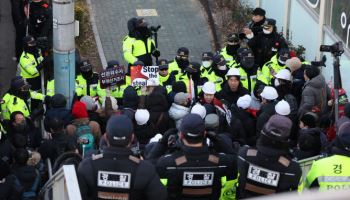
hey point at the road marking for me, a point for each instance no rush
(146, 12)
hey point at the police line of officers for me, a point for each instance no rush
(194, 170)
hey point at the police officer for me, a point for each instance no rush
(333, 173)
(230, 50)
(268, 169)
(258, 19)
(166, 79)
(138, 44)
(179, 64)
(271, 68)
(16, 98)
(117, 173)
(192, 80)
(116, 91)
(218, 73)
(194, 172)
(31, 62)
(247, 68)
(267, 43)
(87, 80)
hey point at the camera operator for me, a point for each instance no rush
(138, 44)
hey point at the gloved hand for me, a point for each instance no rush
(39, 111)
(212, 136)
(156, 53)
(166, 135)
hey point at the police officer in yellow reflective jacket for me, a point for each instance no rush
(31, 62)
(192, 80)
(271, 68)
(333, 173)
(116, 91)
(16, 98)
(138, 44)
(247, 68)
(207, 71)
(230, 50)
(86, 82)
(179, 64)
(166, 79)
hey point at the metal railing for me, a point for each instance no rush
(63, 185)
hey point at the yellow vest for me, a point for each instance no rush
(28, 65)
(116, 91)
(80, 87)
(132, 48)
(12, 104)
(230, 61)
(245, 78)
(211, 76)
(332, 173)
(266, 73)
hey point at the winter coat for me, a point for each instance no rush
(264, 115)
(315, 94)
(177, 112)
(57, 110)
(248, 122)
(157, 105)
(311, 141)
(229, 96)
(298, 83)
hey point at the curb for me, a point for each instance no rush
(97, 36)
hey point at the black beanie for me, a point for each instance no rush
(259, 11)
(312, 71)
(309, 120)
(309, 142)
(130, 98)
(179, 86)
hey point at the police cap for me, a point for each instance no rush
(192, 126)
(119, 130)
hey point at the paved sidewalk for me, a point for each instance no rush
(7, 46)
(183, 24)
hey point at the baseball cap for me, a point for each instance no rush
(163, 64)
(119, 128)
(278, 127)
(192, 125)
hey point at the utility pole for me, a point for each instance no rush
(64, 48)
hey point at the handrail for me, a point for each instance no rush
(63, 184)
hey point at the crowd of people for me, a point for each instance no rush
(230, 127)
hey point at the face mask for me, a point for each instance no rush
(267, 32)
(222, 67)
(86, 75)
(206, 64)
(247, 62)
(276, 82)
(182, 63)
(32, 49)
(232, 49)
(250, 36)
(21, 127)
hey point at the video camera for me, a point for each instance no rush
(154, 29)
(321, 62)
(336, 48)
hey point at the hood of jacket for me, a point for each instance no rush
(177, 111)
(317, 82)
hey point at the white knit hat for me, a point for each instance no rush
(200, 110)
(209, 88)
(113, 101)
(282, 108)
(141, 116)
(269, 93)
(89, 102)
(244, 101)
